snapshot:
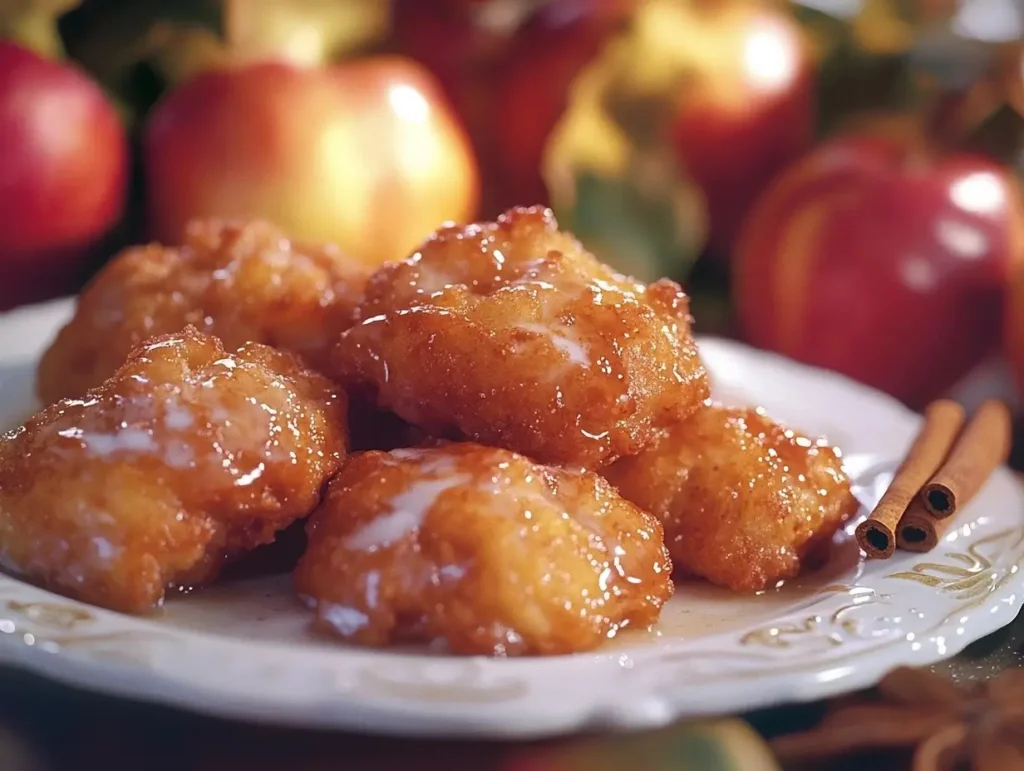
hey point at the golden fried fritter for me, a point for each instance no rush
(481, 551)
(240, 282)
(744, 501)
(510, 334)
(186, 457)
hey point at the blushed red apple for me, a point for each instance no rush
(508, 68)
(532, 89)
(746, 109)
(1013, 329)
(365, 154)
(442, 36)
(880, 258)
(63, 175)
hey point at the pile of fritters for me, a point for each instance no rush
(501, 445)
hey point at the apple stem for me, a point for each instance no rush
(35, 30)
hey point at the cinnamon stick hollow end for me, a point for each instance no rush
(877, 536)
(942, 422)
(919, 531)
(983, 446)
(939, 499)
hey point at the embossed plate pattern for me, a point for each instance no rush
(245, 650)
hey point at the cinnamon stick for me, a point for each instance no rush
(942, 422)
(919, 531)
(984, 446)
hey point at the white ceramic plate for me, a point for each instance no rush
(244, 650)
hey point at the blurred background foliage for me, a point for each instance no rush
(837, 180)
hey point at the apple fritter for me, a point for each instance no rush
(479, 551)
(510, 334)
(187, 457)
(745, 502)
(243, 282)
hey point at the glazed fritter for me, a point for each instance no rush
(479, 551)
(510, 334)
(745, 502)
(240, 282)
(187, 457)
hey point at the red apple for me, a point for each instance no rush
(365, 154)
(746, 109)
(1013, 330)
(507, 66)
(443, 36)
(64, 161)
(881, 259)
(1016, 86)
(532, 90)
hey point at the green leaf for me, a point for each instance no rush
(122, 23)
(642, 232)
(115, 40)
(110, 36)
(33, 24)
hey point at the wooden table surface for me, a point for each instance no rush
(60, 728)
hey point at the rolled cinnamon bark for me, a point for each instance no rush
(942, 422)
(918, 530)
(983, 447)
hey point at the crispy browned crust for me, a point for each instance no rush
(510, 334)
(186, 457)
(482, 551)
(242, 282)
(744, 501)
